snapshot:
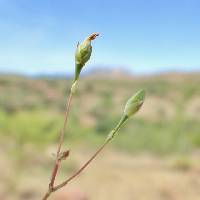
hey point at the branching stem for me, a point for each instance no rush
(61, 140)
(82, 168)
(53, 189)
(82, 55)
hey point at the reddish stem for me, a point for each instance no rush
(61, 140)
(53, 189)
(81, 169)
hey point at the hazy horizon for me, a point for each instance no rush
(95, 69)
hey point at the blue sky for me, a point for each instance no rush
(143, 36)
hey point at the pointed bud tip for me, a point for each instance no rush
(83, 53)
(140, 95)
(93, 36)
(134, 103)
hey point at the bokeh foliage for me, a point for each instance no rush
(31, 111)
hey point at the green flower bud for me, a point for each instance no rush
(83, 53)
(131, 107)
(134, 103)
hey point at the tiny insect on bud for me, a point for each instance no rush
(134, 103)
(83, 53)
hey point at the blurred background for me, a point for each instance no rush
(151, 44)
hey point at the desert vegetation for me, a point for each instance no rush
(163, 139)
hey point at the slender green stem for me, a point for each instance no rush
(113, 132)
(82, 55)
(116, 129)
(53, 189)
(47, 195)
(61, 140)
(65, 123)
(109, 138)
(82, 168)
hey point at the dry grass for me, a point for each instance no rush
(113, 175)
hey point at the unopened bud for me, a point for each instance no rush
(131, 107)
(83, 53)
(134, 103)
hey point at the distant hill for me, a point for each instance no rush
(16, 91)
(168, 119)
